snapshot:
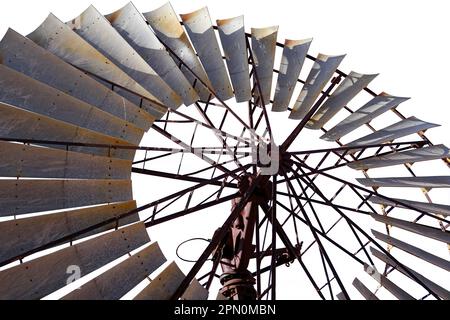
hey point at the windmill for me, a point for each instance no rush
(77, 98)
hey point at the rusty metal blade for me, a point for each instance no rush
(441, 209)
(365, 292)
(120, 279)
(372, 109)
(22, 235)
(294, 54)
(28, 196)
(411, 182)
(321, 72)
(264, 42)
(201, 33)
(39, 277)
(168, 29)
(232, 37)
(353, 83)
(23, 55)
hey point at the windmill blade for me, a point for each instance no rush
(341, 296)
(410, 156)
(365, 292)
(398, 130)
(122, 278)
(37, 278)
(93, 27)
(353, 83)
(169, 31)
(23, 55)
(422, 254)
(25, 196)
(233, 39)
(390, 286)
(372, 109)
(130, 24)
(410, 182)
(264, 42)
(321, 72)
(167, 282)
(443, 293)
(294, 54)
(17, 160)
(17, 123)
(423, 230)
(201, 33)
(29, 94)
(19, 236)
(440, 209)
(56, 37)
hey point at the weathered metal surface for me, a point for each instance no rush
(93, 27)
(424, 206)
(20, 160)
(399, 129)
(27, 196)
(294, 54)
(412, 182)
(321, 72)
(201, 33)
(410, 156)
(42, 276)
(232, 37)
(353, 83)
(422, 254)
(26, 93)
(423, 230)
(195, 291)
(17, 123)
(263, 47)
(440, 291)
(398, 292)
(23, 55)
(165, 24)
(132, 27)
(372, 109)
(56, 37)
(21, 235)
(365, 292)
(120, 279)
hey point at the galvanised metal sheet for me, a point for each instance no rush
(422, 254)
(232, 37)
(21, 160)
(424, 206)
(365, 292)
(16, 123)
(201, 33)
(165, 24)
(426, 231)
(440, 291)
(133, 28)
(321, 72)
(35, 195)
(390, 286)
(264, 42)
(120, 279)
(372, 109)
(56, 37)
(93, 27)
(292, 59)
(39, 277)
(353, 83)
(21, 235)
(397, 130)
(411, 156)
(23, 55)
(26, 93)
(403, 182)
(195, 291)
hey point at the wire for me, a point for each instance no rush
(188, 240)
